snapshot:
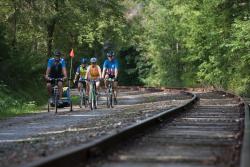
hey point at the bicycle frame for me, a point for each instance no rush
(110, 92)
(92, 94)
(83, 100)
(55, 93)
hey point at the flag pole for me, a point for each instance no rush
(71, 59)
(70, 71)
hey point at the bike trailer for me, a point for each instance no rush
(66, 97)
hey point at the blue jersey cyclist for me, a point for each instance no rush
(56, 69)
(81, 72)
(110, 70)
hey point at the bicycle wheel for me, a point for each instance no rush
(84, 98)
(91, 98)
(56, 104)
(111, 96)
(108, 102)
(95, 101)
(86, 101)
(94, 97)
(48, 107)
(81, 98)
(111, 100)
(56, 100)
(71, 106)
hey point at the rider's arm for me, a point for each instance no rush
(87, 73)
(64, 73)
(49, 64)
(104, 69)
(47, 73)
(103, 72)
(116, 72)
(100, 71)
(77, 73)
(64, 69)
(116, 68)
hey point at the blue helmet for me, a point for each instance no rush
(110, 54)
(84, 61)
(57, 53)
(93, 60)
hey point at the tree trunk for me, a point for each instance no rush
(50, 31)
(13, 43)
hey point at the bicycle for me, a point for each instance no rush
(110, 92)
(55, 94)
(83, 97)
(92, 94)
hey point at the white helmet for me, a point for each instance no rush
(93, 60)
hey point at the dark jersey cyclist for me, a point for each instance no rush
(56, 69)
(110, 70)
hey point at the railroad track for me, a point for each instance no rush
(209, 134)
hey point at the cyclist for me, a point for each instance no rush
(56, 69)
(81, 72)
(110, 70)
(94, 72)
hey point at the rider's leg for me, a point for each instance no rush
(115, 88)
(79, 86)
(87, 88)
(105, 81)
(60, 88)
(115, 91)
(98, 86)
(49, 88)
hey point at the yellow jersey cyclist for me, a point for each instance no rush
(81, 73)
(110, 70)
(56, 69)
(94, 73)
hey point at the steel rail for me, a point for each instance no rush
(80, 154)
(245, 149)
(149, 88)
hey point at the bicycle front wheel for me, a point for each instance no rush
(56, 104)
(81, 98)
(48, 107)
(110, 100)
(91, 101)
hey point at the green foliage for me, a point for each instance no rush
(196, 43)
(16, 102)
(31, 30)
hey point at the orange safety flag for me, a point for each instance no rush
(71, 54)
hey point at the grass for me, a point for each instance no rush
(20, 101)
(14, 103)
(75, 100)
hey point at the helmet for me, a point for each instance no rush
(57, 53)
(84, 61)
(93, 60)
(110, 53)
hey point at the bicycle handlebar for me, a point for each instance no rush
(110, 79)
(93, 80)
(82, 80)
(55, 79)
